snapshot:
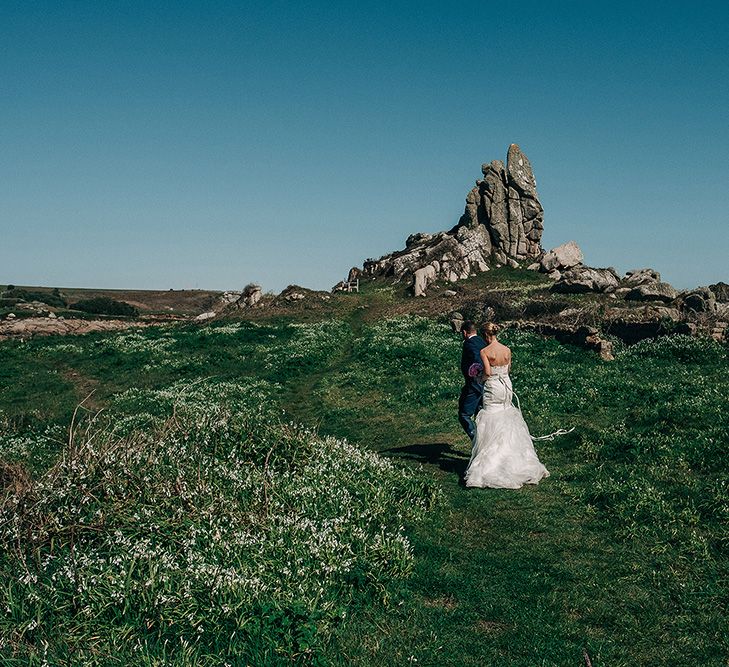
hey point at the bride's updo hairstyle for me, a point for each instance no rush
(490, 329)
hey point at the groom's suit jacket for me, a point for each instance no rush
(470, 355)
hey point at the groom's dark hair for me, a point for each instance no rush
(468, 327)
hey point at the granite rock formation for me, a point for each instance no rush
(562, 257)
(581, 279)
(642, 277)
(502, 224)
(699, 300)
(721, 292)
(652, 291)
(250, 296)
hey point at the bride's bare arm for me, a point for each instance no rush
(486, 363)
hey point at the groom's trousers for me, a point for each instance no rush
(468, 405)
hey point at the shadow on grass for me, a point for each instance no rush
(441, 454)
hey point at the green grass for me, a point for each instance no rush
(622, 552)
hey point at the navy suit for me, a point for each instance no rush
(472, 392)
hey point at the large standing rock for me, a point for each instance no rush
(502, 224)
(562, 257)
(652, 292)
(582, 279)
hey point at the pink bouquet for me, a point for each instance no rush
(474, 370)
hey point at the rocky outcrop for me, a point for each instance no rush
(721, 292)
(562, 257)
(584, 336)
(655, 291)
(505, 202)
(229, 297)
(699, 300)
(642, 277)
(502, 224)
(581, 279)
(250, 296)
(294, 294)
(28, 327)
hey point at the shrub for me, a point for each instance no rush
(28, 295)
(104, 305)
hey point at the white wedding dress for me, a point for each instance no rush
(503, 455)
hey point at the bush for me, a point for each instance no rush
(51, 299)
(104, 305)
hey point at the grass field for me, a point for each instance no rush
(621, 553)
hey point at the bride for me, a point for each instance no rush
(503, 455)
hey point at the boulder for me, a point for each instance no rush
(652, 292)
(456, 320)
(719, 331)
(721, 292)
(230, 297)
(564, 256)
(250, 296)
(583, 279)
(699, 300)
(202, 317)
(642, 277)
(554, 275)
(417, 239)
(423, 278)
(665, 313)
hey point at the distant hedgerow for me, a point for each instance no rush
(16, 294)
(104, 305)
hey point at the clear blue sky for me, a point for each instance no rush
(209, 144)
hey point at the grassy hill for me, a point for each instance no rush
(621, 553)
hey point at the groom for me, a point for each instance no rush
(470, 400)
